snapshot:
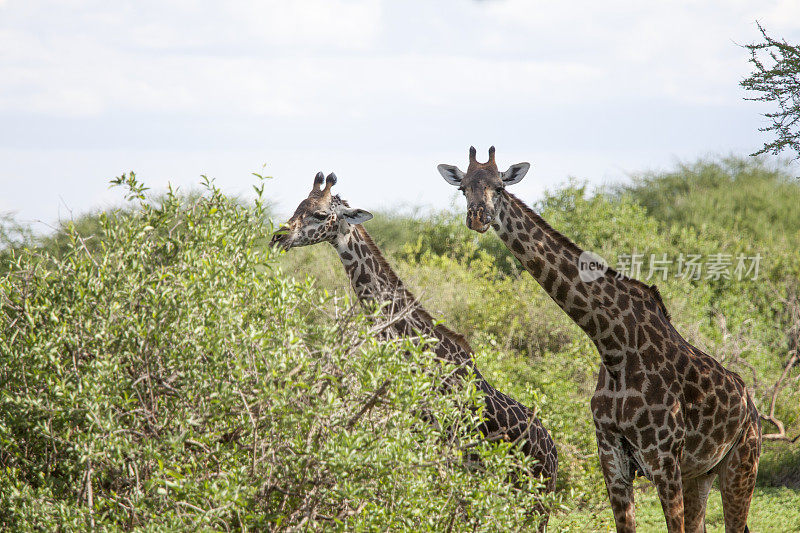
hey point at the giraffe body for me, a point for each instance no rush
(323, 217)
(662, 408)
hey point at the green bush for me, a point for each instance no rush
(170, 376)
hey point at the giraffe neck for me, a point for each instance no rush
(503, 417)
(375, 283)
(601, 307)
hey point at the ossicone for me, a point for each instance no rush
(318, 179)
(330, 181)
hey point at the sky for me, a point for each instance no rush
(378, 91)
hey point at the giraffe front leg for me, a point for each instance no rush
(667, 479)
(619, 484)
(695, 497)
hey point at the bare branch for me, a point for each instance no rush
(370, 403)
(776, 389)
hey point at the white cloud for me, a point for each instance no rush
(160, 57)
(680, 50)
(347, 58)
(296, 77)
(781, 16)
(257, 27)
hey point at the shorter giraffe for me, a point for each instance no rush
(323, 217)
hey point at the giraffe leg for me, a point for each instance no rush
(737, 480)
(667, 479)
(619, 484)
(695, 496)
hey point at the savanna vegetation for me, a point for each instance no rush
(163, 368)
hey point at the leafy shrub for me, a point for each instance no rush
(170, 376)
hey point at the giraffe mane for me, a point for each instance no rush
(440, 329)
(657, 295)
(652, 290)
(336, 199)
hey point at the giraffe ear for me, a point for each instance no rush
(451, 174)
(515, 173)
(355, 216)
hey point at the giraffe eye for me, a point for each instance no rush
(319, 215)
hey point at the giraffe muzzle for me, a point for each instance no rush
(280, 239)
(477, 219)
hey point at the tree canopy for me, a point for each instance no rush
(776, 76)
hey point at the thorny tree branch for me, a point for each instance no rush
(776, 78)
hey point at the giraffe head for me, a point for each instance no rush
(321, 217)
(481, 184)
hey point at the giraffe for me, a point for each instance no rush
(662, 408)
(324, 217)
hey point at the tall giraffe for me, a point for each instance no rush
(662, 407)
(324, 217)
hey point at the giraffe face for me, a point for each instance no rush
(321, 217)
(481, 185)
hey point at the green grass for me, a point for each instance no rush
(773, 509)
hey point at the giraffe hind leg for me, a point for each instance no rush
(737, 479)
